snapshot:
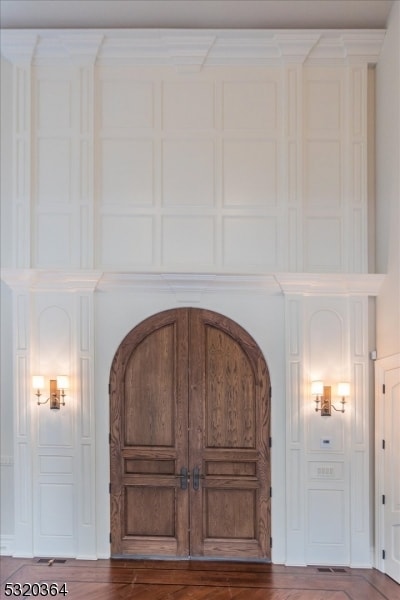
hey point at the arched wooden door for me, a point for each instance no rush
(189, 440)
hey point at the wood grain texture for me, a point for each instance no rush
(199, 580)
(189, 388)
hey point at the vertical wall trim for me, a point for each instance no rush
(85, 435)
(23, 466)
(295, 482)
(20, 53)
(86, 173)
(357, 178)
(292, 132)
(360, 459)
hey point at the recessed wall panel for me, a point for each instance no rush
(53, 243)
(323, 173)
(249, 173)
(323, 105)
(188, 105)
(326, 359)
(323, 244)
(126, 104)
(326, 517)
(250, 242)
(188, 173)
(53, 170)
(127, 172)
(53, 465)
(56, 503)
(250, 105)
(54, 105)
(126, 240)
(188, 241)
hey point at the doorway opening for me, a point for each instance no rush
(189, 440)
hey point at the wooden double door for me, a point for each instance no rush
(189, 440)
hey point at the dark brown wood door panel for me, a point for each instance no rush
(189, 389)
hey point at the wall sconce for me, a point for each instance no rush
(57, 390)
(322, 395)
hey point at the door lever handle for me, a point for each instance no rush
(184, 476)
(196, 478)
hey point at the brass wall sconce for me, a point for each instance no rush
(57, 390)
(323, 400)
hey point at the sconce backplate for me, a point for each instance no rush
(54, 396)
(326, 402)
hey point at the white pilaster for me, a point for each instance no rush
(19, 49)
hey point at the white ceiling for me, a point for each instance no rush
(194, 14)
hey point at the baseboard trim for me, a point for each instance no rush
(6, 545)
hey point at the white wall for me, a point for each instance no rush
(388, 188)
(6, 405)
(156, 172)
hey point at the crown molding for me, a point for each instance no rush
(190, 286)
(50, 281)
(331, 284)
(19, 47)
(190, 50)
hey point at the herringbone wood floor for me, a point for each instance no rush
(198, 580)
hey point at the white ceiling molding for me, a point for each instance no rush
(192, 49)
(82, 49)
(188, 53)
(20, 47)
(190, 286)
(46, 281)
(331, 284)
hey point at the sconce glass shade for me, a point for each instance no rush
(38, 382)
(317, 388)
(62, 382)
(344, 390)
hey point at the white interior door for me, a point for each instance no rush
(392, 473)
(388, 465)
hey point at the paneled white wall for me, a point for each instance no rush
(239, 165)
(125, 158)
(328, 340)
(229, 169)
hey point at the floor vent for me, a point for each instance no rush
(331, 570)
(51, 561)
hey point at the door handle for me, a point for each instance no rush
(184, 476)
(196, 478)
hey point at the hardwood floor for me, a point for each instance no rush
(196, 580)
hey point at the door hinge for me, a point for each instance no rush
(270, 492)
(383, 499)
(109, 438)
(383, 389)
(270, 442)
(383, 554)
(110, 537)
(109, 488)
(383, 444)
(109, 388)
(270, 542)
(270, 392)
